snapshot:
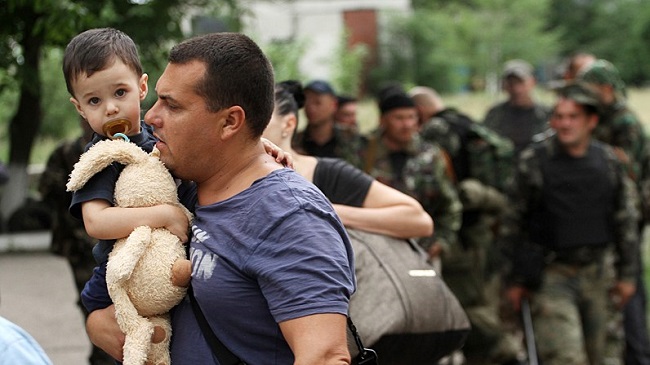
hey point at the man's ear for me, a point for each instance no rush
(77, 106)
(593, 121)
(234, 120)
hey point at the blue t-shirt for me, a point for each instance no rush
(274, 252)
(102, 185)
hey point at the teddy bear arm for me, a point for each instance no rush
(122, 263)
(182, 273)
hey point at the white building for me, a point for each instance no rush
(320, 23)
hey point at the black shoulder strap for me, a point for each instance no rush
(226, 357)
(223, 354)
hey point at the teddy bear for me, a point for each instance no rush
(147, 272)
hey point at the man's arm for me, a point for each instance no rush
(317, 339)
(627, 240)
(104, 332)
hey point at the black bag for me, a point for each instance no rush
(402, 307)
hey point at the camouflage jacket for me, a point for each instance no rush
(526, 199)
(69, 238)
(483, 162)
(620, 127)
(476, 151)
(427, 177)
(348, 144)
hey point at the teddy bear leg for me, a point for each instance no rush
(137, 342)
(159, 352)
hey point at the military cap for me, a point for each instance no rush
(320, 87)
(518, 68)
(602, 72)
(579, 92)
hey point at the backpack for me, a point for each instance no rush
(476, 151)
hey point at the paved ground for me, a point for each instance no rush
(37, 292)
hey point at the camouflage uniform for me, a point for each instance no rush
(426, 177)
(570, 301)
(483, 162)
(69, 238)
(620, 127)
(346, 144)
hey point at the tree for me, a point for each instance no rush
(616, 30)
(446, 43)
(28, 27)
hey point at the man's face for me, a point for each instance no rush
(347, 114)
(187, 130)
(319, 108)
(110, 94)
(400, 125)
(571, 123)
(518, 88)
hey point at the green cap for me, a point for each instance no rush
(579, 92)
(602, 72)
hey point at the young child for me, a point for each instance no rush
(104, 76)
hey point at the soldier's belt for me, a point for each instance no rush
(580, 256)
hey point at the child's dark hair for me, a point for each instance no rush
(289, 97)
(96, 49)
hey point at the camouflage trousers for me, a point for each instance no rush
(489, 341)
(571, 314)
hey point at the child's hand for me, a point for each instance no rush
(280, 155)
(177, 221)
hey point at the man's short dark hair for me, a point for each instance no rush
(237, 73)
(95, 50)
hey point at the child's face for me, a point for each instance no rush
(109, 94)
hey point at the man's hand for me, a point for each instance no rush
(514, 294)
(104, 332)
(622, 292)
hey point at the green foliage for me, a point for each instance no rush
(348, 66)
(45, 27)
(447, 44)
(285, 57)
(617, 30)
(60, 118)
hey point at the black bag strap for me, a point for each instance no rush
(366, 356)
(223, 354)
(226, 357)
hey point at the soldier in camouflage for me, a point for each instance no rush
(323, 137)
(621, 128)
(483, 162)
(396, 156)
(572, 203)
(520, 117)
(69, 238)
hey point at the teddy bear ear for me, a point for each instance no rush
(100, 156)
